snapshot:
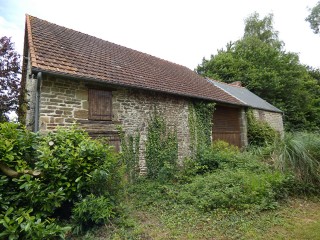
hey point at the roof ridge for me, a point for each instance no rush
(229, 84)
(30, 41)
(118, 45)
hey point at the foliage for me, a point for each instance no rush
(239, 181)
(91, 211)
(200, 127)
(72, 167)
(314, 18)
(262, 29)
(300, 153)
(212, 157)
(130, 149)
(9, 78)
(161, 149)
(259, 61)
(259, 133)
(232, 201)
(233, 189)
(21, 223)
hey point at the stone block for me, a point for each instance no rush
(82, 95)
(58, 120)
(53, 100)
(85, 104)
(59, 111)
(83, 114)
(44, 119)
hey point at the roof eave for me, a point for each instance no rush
(116, 83)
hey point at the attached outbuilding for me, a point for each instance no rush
(262, 110)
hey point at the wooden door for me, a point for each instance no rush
(226, 125)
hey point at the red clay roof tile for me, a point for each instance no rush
(60, 50)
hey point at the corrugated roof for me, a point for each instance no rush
(59, 50)
(245, 96)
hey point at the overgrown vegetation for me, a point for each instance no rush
(299, 153)
(46, 179)
(161, 149)
(259, 133)
(63, 184)
(200, 125)
(130, 152)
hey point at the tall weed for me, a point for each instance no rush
(299, 153)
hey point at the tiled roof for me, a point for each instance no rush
(245, 96)
(59, 50)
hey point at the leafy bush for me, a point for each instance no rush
(21, 223)
(92, 210)
(233, 189)
(259, 133)
(50, 174)
(213, 157)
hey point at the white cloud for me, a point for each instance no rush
(10, 29)
(182, 31)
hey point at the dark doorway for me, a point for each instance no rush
(226, 125)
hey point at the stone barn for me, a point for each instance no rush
(71, 77)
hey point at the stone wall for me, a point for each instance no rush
(134, 107)
(274, 119)
(64, 102)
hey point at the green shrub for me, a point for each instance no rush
(71, 166)
(91, 211)
(259, 133)
(21, 223)
(213, 157)
(234, 189)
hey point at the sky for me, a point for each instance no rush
(180, 31)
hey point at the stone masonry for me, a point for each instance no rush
(274, 119)
(64, 102)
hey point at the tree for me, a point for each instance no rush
(262, 29)
(314, 18)
(260, 63)
(9, 78)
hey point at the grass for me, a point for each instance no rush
(297, 218)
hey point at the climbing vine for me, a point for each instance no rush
(161, 148)
(130, 149)
(200, 126)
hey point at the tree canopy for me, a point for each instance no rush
(259, 61)
(9, 78)
(314, 18)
